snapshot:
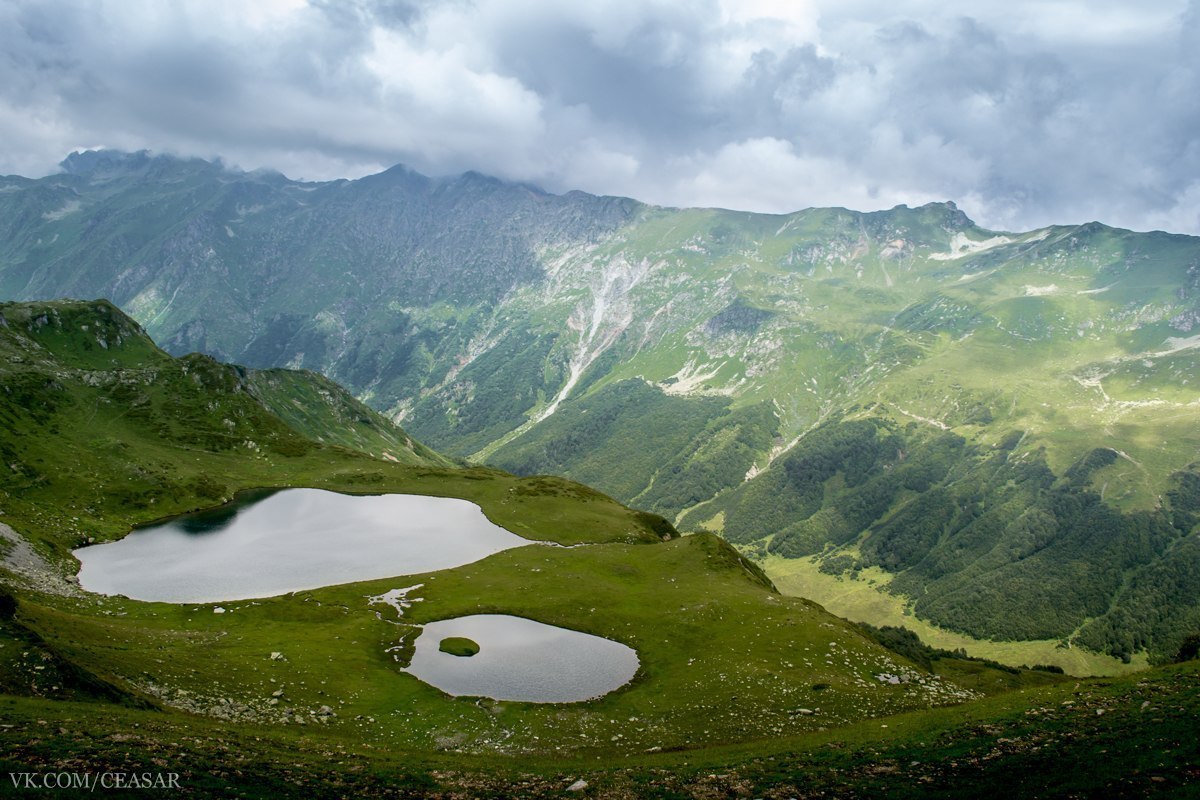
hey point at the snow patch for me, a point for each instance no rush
(1174, 345)
(1040, 291)
(961, 246)
(70, 207)
(690, 378)
(396, 598)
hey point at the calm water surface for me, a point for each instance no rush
(291, 540)
(520, 659)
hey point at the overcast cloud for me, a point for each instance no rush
(1024, 112)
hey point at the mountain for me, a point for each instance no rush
(998, 427)
(96, 417)
(102, 430)
(739, 691)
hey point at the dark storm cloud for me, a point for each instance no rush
(1025, 112)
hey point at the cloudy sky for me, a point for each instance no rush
(1024, 112)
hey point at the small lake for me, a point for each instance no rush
(520, 659)
(288, 541)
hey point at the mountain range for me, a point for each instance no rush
(738, 690)
(999, 428)
(103, 430)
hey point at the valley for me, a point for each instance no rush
(857, 597)
(722, 659)
(790, 421)
(802, 384)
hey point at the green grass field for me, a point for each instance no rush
(739, 688)
(1123, 737)
(865, 599)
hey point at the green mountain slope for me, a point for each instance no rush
(679, 358)
(103, 430)
(319, 409)
(84, 379)
(986, 539)
(1134, 736)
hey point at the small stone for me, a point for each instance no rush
(277, 656)
(218, 610)
(578, 786)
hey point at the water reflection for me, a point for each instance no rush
(520, 659)
(216, 519)
(291, 540)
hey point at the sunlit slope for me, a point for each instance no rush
(103, 431)
(472, 309)
(1068, 350)
(98, 420)
(1020, 333)
(668, 356)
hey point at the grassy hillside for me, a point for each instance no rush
(319, 409)
(104, 436)
(688, 361)
(1004, 423)
(1130, 737)
(101, 428)
(989, 541)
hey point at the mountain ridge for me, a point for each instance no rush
(542, 332)
(84, 162)
(124, 433)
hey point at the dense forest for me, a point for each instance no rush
(985, 540)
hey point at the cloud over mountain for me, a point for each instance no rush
(1024, 112)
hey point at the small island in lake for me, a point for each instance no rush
(458, 646)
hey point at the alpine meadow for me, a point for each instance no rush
(985, 437)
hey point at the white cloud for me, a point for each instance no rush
(1028, 112)
(471, 111)
(768, 175)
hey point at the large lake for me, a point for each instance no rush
(291, 540)
(520, 659)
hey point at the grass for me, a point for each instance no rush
(866, 599)
(737, 687)
(1024, 345)
(704, 676)
(181, 434)
(866, 309)
(459, 646)
(1127, 737)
